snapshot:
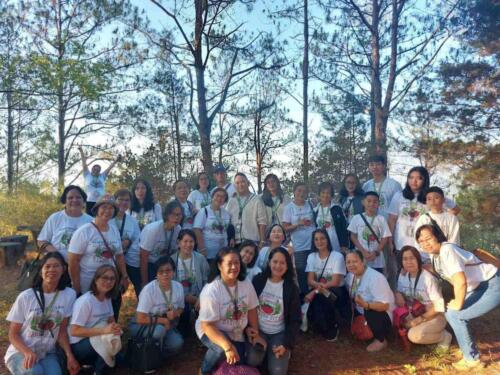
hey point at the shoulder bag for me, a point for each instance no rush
(144, 352)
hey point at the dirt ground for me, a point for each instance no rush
(312, 354)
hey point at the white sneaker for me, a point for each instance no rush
(444, 343)
(376, 346)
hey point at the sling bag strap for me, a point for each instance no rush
(370, 227)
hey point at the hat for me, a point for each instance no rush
(105, 199)
(107, 346)
(219, 168)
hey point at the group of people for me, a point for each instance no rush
(252, 270)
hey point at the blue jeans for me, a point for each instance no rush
(86, 355)
(275, 366)
(171, 340)
(46, 366)
(300, 266)
(481, 300)
(215, 354)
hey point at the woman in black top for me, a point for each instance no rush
(279, 313)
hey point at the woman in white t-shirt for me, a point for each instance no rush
(298, 220)
(60, 226)
(181, 192)
(201, 196)
(418, 284)
(212, 226)
(95, 244)
(279, 312)
(325, 277)
(159, 239)
(476, 288)
(162, 299)
(275, 200)
(351, 197)
(129, 230)
(372, 297)
(143, 207)
(192, 271)
(276, 237)
(34, 331)
(406, 207)
(249, 253)
(228, 311)
(93, 316)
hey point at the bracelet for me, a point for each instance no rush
(228, 350)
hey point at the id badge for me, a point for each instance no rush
(410, 230)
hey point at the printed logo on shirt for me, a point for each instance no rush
(269, 307)
(66, 237)
(413, 211)
(41, 324)
(232, 316)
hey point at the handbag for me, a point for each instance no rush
(359, 326)
(144, 352)
(28, 272)
(330, 295)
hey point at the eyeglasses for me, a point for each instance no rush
(108, 278)
(165, 272)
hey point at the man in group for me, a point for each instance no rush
(94, 180)
(220, 178)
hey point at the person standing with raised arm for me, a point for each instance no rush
(95, 181)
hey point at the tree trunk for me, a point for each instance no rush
(258, 151)
(305, 82)
(178, 144)
(10, 142)
(61, 110)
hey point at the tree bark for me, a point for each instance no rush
(305, 83)
(10, 142)
(61, 110)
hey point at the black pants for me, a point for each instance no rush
(322, 310)
(379, 323)
(117, 303)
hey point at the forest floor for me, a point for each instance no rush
(312, 355)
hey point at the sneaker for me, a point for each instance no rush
(376, 346)
(444, 343)
(335, 337)
(465, 365)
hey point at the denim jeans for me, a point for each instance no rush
(171, 340)
(275, 366)
(481, 300)
(46, 366)
(86, 355)
(300, 265)
(215, 354)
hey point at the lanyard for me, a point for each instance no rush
(355, 290)
(274, 208)
(41, 301)
(323, 215)
(379, 190)
(218, 217)
(169, 243)
(233, 298)
(205, 199)
(242, 206)
(414, 292)
(168, 300)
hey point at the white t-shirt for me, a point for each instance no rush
(89, 312)
(408, 212)
(87, 242)
(35, 331)
(263, 257)
(146, 217)
(131, 232)
(301, 237)
(335, 266)
(373, 287)
(188, 209)
(366, 238)
(446, 221)
(199, 199)
(426, 291)
(152, 300)
(254, 214)
(216, 305)
(252, 272)
(453, 259)
(94, 185)
(157, 241)
(386, 191)
(59, 228)
(271, 311)
(185, 274)
(214, 228)
(324, 220)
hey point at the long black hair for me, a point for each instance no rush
(408, 193)
(328, 242)
(267, 198)
(289, 274)
(251, 244)
(64, 281)
(220, 257)
(358, 190)
(149, 201)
